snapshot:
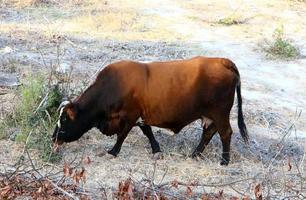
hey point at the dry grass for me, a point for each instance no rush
(83, 28)
(102, 20)
(261, 17)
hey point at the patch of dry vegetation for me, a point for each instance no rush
(97, 19)
(281, 47)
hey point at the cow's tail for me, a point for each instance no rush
(241, 124)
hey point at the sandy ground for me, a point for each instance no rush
(274, 91)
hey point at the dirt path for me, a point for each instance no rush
(281, 83)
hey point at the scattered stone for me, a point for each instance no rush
(8, 80)
(6, 50)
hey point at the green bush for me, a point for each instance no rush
(281, 47)
(231, 20)
(35, 115)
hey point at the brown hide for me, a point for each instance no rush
(171, 94)
(163, 94)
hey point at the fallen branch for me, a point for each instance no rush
(207, 185)
(62, 190)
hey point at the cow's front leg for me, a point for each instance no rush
(120, 139)
(147, 131)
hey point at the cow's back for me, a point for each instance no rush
(173, 94)
(178, 92)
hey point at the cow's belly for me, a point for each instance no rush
(169, 119)
(177, 126)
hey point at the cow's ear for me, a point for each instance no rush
(71, 111)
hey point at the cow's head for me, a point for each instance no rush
(70, 125)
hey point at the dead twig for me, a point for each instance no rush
(209, 185)
(62, 190)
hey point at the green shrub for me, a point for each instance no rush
(21, 137)
(231, 20)
(35, 113)
(2, 130)
(281, 47)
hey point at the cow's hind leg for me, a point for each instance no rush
(225, 132)
(120, 139)
(147, 130)
(207, 134)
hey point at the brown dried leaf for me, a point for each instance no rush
(245, 198)
(204, 197)
(125, 191)
(220, 194)
(188, 191)
(194, 183)
(83, 175)
(146, 194)
(289, 165)
(174, 183)
(47, 184)
(39, 190)
(67, 170)
(86, 160)
(76, 177)
(130, 190)
(258, 192)
(5, 191)
(163, 197)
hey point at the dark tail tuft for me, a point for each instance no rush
(241, 124)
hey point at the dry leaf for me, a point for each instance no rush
(130, 190)
(245, 198)
(258, 192)
(194, 183)
(204, 197)
(39, 190)
(126, 190)
(86, 160)
(174, 184)
(76, 177)
(163, 197)
(188, 191)
(220, 194)
(83, 175)
(67, 170)
(289, 165)
(5, 190)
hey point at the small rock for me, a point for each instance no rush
(6, 50)
(8, 80)
(64, 68)
(13, 134)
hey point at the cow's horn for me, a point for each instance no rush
(63, 104)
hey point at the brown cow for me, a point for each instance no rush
(164, 94)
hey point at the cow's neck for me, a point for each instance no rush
(101, 98)
(89, 105)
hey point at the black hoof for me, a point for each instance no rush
(196, 154)
(156, 151)
(224, 162)
(113, 153)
